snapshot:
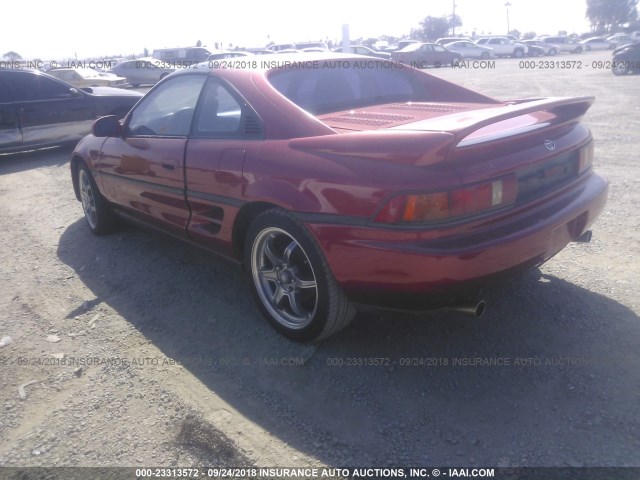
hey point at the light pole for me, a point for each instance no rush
(453, 20)
(508, 5)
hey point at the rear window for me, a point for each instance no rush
(339, 85)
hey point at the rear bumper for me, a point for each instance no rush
(416, 269)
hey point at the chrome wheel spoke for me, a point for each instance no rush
(88, 201)
(268, 251)
(300, 283)
(294, 301)
(278, 295)
(289, 250)
(269, 274)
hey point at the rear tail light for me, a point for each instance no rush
(585, 160)
(469, 200)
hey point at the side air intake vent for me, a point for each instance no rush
(252, 126)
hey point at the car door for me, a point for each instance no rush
(143, 170)
(49, 111)
(497, 45)
(10, 133)
(441, 56)
(424, 55)
(224, 128)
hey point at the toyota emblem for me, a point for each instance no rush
(550, 145)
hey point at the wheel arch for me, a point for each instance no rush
(244, 217)
(76, 161)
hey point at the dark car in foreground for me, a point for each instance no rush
(337, 180)
(37, 110)
(626, 59)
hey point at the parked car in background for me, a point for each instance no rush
(87, 77)
(143, 71)
(547, 48)
(259, 51)
(447, 40)
(620, 39)
(470, 50)
(364, 50)
(597, 43)
(181, 57)
(315, 50)
(504, 47)
(223, 54)
(513, 38)
(564, 43)
(37, 110)
(535, 51)
(296, 46)
(338, 186)
(424, 55)
(405, 43)
(626, 59)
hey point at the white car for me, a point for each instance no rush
(88, 77)
(597, 43)
(549, 48)
(503, 47)
(470, 50)
(621, 39)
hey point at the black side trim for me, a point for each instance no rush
(215, 198)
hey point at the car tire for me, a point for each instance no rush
(97, 211)
(620, 68)
(578, 50)
(291, 280)
(553, 52)
(484, 55)
(518, 53)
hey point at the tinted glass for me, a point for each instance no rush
(324, 90)
(219, 112)
(5, 95)
(26, 86)
(168, 110)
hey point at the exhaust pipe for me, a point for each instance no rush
(474, 309)
(585, 237)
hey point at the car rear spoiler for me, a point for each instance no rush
(430, 141)
(463, 124)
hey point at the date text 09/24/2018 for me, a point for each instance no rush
(575, 64)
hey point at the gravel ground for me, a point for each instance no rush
(146, 352)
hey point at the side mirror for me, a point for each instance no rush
(75, 92)
(108, 126)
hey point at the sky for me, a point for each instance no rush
(66, 29)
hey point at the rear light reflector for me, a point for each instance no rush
(469, 200)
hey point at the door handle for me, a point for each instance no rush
(168, 166)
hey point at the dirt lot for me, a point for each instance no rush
(148, 352)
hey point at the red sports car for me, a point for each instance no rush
(339, 180)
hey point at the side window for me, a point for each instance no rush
(5, 96)
(51, 90)
(219, 113)
(27, 87)
(167, 110)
